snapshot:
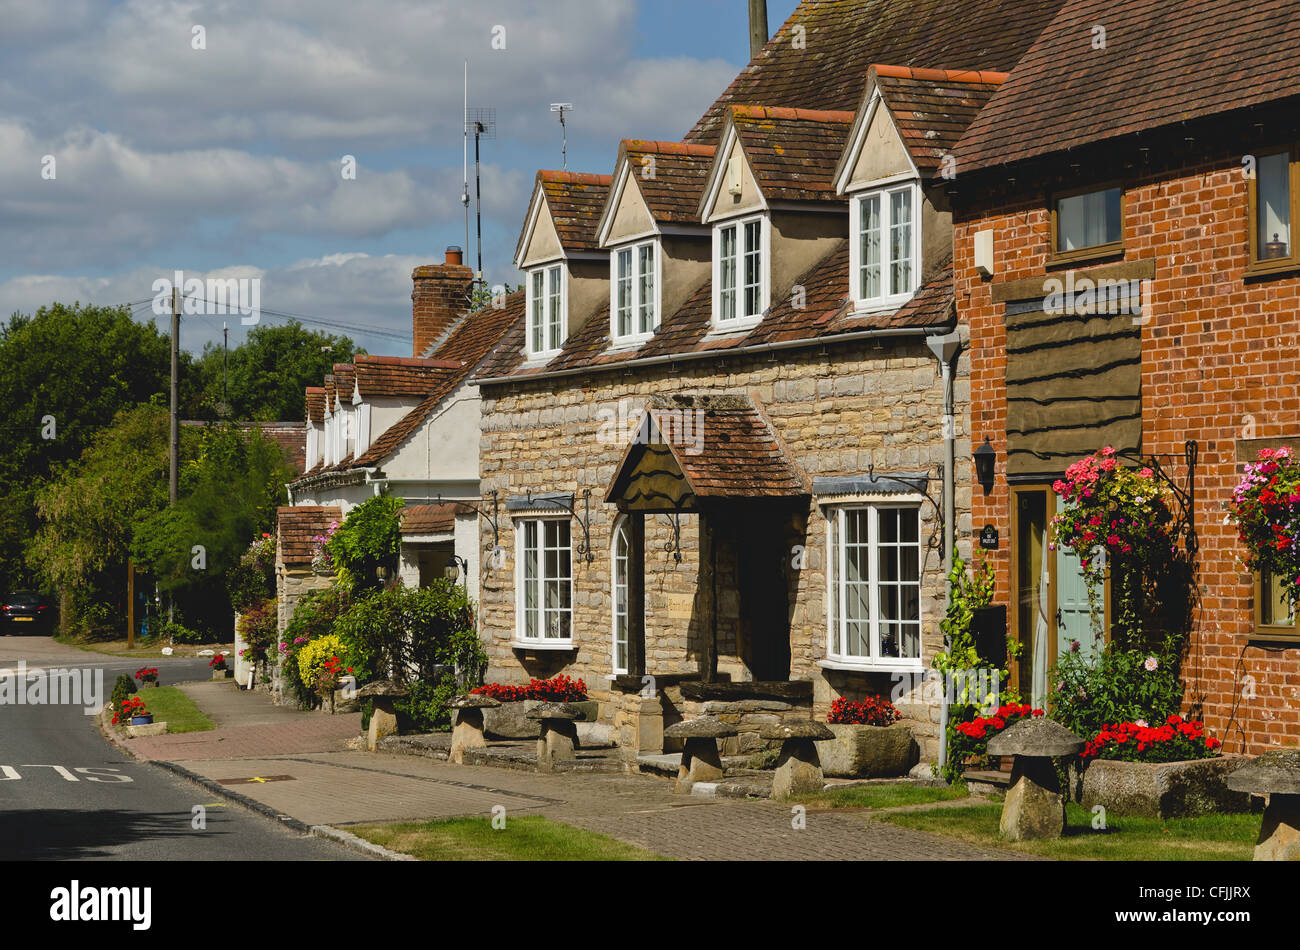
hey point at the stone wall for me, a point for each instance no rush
(839, 411)
(290, 585)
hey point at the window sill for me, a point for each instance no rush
(878, 305)
(1086, 254)
(853, 666)
(1287, 635)
(1272, 268)
(560, 645)
(623, 343)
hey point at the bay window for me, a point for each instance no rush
(884, 253)
(874, 586)
(544, 581)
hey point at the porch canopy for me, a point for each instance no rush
(709, 455)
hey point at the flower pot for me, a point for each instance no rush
(1160, 789)
(147, 683)
(221, 674)
(868, 751)
(142, 720)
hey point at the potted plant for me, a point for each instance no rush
(220, 668)
(147, 675)
(1172, 769)
(870, 741)
(970, 739)
(133, 710)
(508, 719)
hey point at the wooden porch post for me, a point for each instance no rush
(636, 593)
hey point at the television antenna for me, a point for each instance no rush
(483, 123)
(561, 108)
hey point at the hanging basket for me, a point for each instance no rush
(320, 565)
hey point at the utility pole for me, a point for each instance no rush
(175, 427)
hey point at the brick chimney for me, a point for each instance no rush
(439, 297)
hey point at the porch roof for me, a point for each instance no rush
(297, 526)
(692, 448)
(428, 519)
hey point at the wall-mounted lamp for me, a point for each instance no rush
(452, 569)
(985, 457)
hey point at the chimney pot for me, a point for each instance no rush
(454, 255)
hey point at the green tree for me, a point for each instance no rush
(266, 374)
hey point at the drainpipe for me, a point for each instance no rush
(945, 349)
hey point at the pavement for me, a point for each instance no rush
(298, 766)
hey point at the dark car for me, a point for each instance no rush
(25, 612)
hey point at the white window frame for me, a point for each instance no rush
(836, 656)
(546, 270)
(620, 529)
(637, 335)
(890, 298)
(743, 321)
(521, 620)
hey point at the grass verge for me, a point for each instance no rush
(526, 838)
(1210, 838)
(168, 704)
(881, 796)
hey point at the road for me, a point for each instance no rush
(66, 793)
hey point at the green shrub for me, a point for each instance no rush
(179, 633)
(369, 538)
(313, 617)
(123, 687)
(1116, 687)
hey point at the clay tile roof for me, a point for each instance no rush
(316, 404)
(738, 456)
(296, 527)
(575, 200)
(1162, 64)
(818, 55)
(345, 379)
(793, 152)
(933, 107)
(396, 376)
(328, 386)
(469, 342)
(681, 171)
(428, 519)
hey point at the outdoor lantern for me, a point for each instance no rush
(985, 456)
(454, 566)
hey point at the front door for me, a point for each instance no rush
(1049, 596)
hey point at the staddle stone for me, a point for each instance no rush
(383, 716)
(700, 759)
(467, 724)
(1036, 737)
(1277, 774)
(1034, 806)
(703, 728)
(805, 729)
(553, 711)
(798, 768)
(472, 701)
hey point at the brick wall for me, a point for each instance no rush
(1219, 364)
(838, 412)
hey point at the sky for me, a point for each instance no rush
(143, 137)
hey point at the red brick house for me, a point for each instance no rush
(1132, 145)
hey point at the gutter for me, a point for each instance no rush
(712, 354)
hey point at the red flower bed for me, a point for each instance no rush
(872, 711)
(134, 706)
(557, 689)
(147, 674)
(985, 727)
(1173, 741)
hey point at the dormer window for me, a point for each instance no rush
(546, 309)
(740, 272)
(634, 292)
(886, 246)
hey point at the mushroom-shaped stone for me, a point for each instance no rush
(798, 768)
(700, 759)
(1034, 806)
(1276, 774)
(383, 718)
(559, 735)
(467, 725)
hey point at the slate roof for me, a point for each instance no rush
(296, 527)
(1163, 64)
(428, 519)
(793, 152)
(393, 377)
(826, 313)
(680, 172)
(818, 57)
(932, 107)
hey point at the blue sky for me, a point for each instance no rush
(225, 160)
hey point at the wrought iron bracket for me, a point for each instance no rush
(673, 545)
(583, 548)
(922, 488)
(490, 519)
(1186, 495)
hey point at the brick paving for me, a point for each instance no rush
(332, 785)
